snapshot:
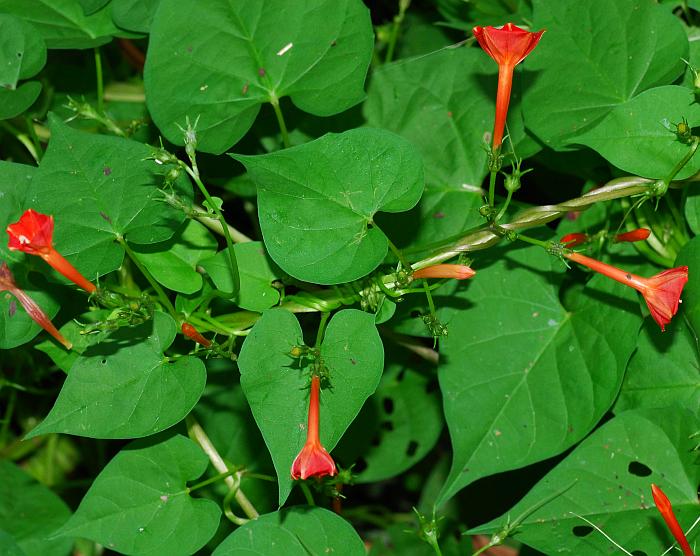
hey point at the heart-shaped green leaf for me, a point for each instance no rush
(139, 503)
(99, 188)
(277, 389)
(326, 193)
(638, 135)
(29, 513)
(556, 378)
(302, 531)
(260, 52)
(607, 480)
(125, 387)
(63, 23)
(596, 56)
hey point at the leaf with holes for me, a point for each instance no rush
(63, 23)
(607, 480)
(100, 188)
(594, 57)
(29, 514)
(125, 387)
(397, 426)
(506, 408)
(663, 372)
(217, 62)
(277, 388)
(326, 193)
(140, 504)
(302, 531)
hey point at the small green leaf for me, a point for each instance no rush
(100, 188)
(173, 262)
(260, 52)
(29, 513)
(125, 387)
(635, 136)
(594, 57)
(15, 101)
(257, 273)
(326, 193)
(609, 476)
(22, 51)
(217, 203)
(300, 531)
(277, 389)
(63, 23)
(139, 504)
(91, 6)
(560, 373)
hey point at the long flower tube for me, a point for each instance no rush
(313, 459)
(662, 292)
(456, 271)
(508, 46)
(7, 283)
(663, 504)
(33, 234)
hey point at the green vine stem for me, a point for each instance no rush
(216, 226)
(488, 236)
(100, 82)
(197, 433)
(193, 171)
(395, 28)
(280, 120)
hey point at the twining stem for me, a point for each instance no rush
(216, 226)
(395, 28)
(100, 82)
(160, 292)
(196, 433)
(194, 174)
(280, 120)
(7, 417)
(683, 161)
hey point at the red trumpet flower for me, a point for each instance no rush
(508, 46)
(313, 460)
(192, 333)
(7, 283)
(640, 234)
(663, 504)
(662, 292)
(456, 271)
(33, 234)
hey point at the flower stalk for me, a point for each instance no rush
(7, 283)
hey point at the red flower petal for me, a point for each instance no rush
(639, 234)
(33, 233)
